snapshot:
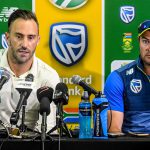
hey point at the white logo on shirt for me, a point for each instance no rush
(136, 85)
(129, 72)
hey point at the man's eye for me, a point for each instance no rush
(31, 37)
(145, 41)
(18, 36)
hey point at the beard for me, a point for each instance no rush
(17, 57)
(146, 60)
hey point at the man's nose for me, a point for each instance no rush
(24, 43)
(148, 46)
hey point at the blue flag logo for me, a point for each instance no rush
(127, 13)
(68, 42)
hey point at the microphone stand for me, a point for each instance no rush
(15, 115)
(24, 94)
(23, 127)
(60, 124)
(43, 129)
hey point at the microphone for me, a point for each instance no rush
(5, 75)
(29, 77)
(24, 88)
(78, 80)
(61, 94)
(44, 95)
(60, 98)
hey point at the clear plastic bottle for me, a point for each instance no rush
(85, 117)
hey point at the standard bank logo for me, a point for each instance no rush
(127, 13)
(3, 41)
(5, 13)
(68, 4)
(68, 42)
(136, 85)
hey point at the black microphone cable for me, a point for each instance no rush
(113, 135)
(110, 119)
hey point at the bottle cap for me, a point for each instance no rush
(85, 96)
(103, 96)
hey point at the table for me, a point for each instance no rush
(119, 143)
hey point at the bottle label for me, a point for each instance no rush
(85, 111)
(100, 108)
(98, 124)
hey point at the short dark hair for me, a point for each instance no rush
(24, 14)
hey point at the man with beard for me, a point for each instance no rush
(20, 61)
(128, 91)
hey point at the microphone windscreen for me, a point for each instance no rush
(61, 94)
(76, 79)
(45, 106)
(62, 87)
(45, 92)
(29, 77)
(4, 76)
(4, 73)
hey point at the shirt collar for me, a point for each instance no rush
(140, 63)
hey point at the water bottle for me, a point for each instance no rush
(85, 116)
(100, 107)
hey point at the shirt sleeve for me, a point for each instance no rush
(113, 90)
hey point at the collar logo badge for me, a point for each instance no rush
(135, 85)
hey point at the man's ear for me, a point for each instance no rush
(7, 38)
(38, 40)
